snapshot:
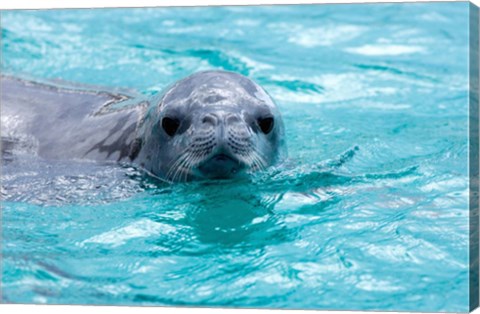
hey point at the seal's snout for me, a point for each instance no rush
(220, 119)
(210, 120)
(231, 133)
(230, 140)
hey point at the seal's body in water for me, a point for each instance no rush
(210, 125)
(65, 123)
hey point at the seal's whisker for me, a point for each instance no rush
(184, 167)
(173, 167)
(251, 160)
(255, 163)
(177, 169)
(176, 165)
(259, 160)
(262, 158)
(189, 164)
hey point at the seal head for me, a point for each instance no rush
(211, 125)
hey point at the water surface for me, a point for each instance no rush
(370, 212)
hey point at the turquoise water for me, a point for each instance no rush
(370, 211)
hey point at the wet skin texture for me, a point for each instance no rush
(210, 125)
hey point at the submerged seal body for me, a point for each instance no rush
(210, 125)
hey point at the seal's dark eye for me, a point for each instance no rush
(265, 124)
(170, 125)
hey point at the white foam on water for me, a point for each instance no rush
(139, 229)
(328, 35)
(26, 24)
(385, 50)
(253, 65)
(115, 289)
(246, 22)
(184, 30)
(369, 283)
(433, 17)
(337, 87)
(291, 200)
(168, 23)
(385, 106)
(445, 185)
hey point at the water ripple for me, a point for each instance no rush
(370, 212)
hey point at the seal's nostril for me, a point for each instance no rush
(209, 119)
(232, 118)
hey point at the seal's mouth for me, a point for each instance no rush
(221, 166)
(222, 158)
